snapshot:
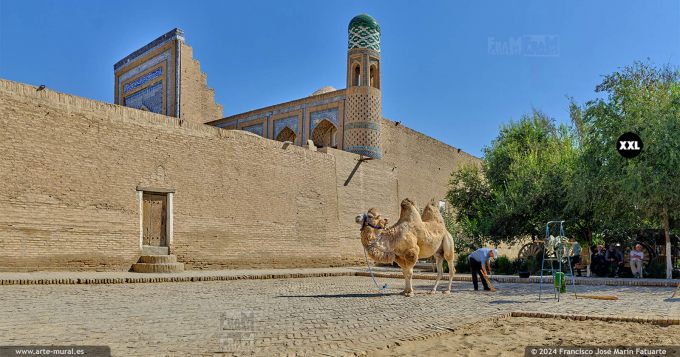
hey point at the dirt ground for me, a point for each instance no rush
(509, 337)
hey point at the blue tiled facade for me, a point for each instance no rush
(150, 98)
(164, 65)
(316, 117)
(162, 59)
(173, 34)
(255, 129)
(143, 79)
(300, 106)
(291, 122)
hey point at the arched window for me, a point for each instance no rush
(324, 134)
(373, 77)
(356, 76)
(286, 134)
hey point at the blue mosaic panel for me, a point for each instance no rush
(143, 79)
(364, 37)
(175, 33)
(150, 97)
(165, 56)
(279, 124)
(284, 110)
(316, 117)
(369, 151)
(255, 129)
(226, 124)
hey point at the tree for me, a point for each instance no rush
(471, 198)
(529, 167)
(522, 183)
(645, 100)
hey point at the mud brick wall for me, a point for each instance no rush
(423, 164)
(197, 100)
(71, 166)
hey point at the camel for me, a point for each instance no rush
(407, 240)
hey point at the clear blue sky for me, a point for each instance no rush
(438, 74)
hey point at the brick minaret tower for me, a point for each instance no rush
(363, 109)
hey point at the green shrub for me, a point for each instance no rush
(462, 265)
(533, 265)
(503, 266)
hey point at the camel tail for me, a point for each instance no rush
(453, 251)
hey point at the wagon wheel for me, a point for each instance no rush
(533, 249)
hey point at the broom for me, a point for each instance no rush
(597, 297)
(488, 282)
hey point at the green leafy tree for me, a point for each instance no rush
(522, 183)
(529, 167)
(644, 190)
(471, 199)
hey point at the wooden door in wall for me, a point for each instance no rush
(155, 217)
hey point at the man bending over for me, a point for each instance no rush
(480, 264)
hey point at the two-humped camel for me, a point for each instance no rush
(413, 237)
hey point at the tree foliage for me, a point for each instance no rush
(473, 203)
(643, 191)
(535, 171)
(521, 184)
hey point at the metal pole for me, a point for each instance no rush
(540, 281)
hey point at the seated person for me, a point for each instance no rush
(636, 258)
(598, 262)
(614, 260)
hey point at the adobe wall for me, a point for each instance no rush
(197, 100)
(71, 167)
(423, 164)
(373, 184)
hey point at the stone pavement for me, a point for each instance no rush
(339, 315)
(119, 277)
(66, 277)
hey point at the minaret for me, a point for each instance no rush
(363, 108)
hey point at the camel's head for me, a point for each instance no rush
(407, 203)
(372, 219)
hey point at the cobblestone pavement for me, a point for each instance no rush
(119, 277)
(310, 316)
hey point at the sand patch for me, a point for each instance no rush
(509, 337)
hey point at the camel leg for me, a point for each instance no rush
(449, 255)
(440, 271)
(408, 288)
(403, 264)
(407, 264)
(452, 271)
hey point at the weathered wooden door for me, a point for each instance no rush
(154, 219)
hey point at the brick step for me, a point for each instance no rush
(158, 259)
(158, 267)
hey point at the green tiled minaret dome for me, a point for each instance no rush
(364, 32)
